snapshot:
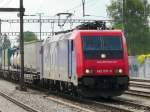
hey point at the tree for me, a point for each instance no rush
(29, 36)
(132, 16)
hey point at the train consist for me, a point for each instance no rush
(84, 61)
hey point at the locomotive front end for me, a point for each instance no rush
(102, 64)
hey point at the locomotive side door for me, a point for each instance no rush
(70, 48)
(72, 63)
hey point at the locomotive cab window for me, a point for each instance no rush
(95, 46)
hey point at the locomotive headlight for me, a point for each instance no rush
(120, 71)
(103, 56)
(88, 71)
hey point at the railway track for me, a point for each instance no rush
(111, 105)
(96, 105)
(125, 105)
(120, 104)
(86, 105)
(139, 87)
(116, 105)
(138, 93)
(140, 80)
(132, 84)
(18, 103)
(140, 83)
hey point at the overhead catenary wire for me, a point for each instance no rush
(89, 4)
(5, 3)
(77, 7)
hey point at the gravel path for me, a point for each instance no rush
(7, 106)
(33, 98)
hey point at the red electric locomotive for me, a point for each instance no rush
(92, 62)
(101, 62)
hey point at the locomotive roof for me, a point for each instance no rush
(59, 37)
(119, 31)
(67, 36)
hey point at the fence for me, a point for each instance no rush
(137, 70)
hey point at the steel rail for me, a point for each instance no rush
(72, 102)
(139, 85)
(125, 105)
(98, 105)
(140, 80)
(18, 103)
(114, 106)
(138, 93)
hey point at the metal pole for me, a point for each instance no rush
(1, 43)
(4, 57)
(83, 4)
(40, 17)
(4, 48)
(0, 28)
(124, 17)
(22, 84)
(40, 25)
(0, 33)
(123, 6)
(145, 6)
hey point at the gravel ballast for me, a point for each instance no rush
(7, 106)
(33, 98)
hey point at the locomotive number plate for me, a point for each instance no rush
(104, 71)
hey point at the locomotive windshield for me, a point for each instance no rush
(94, 46)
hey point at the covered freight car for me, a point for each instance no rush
(33, 56)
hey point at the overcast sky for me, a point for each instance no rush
(51, 7)
(96, 8)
